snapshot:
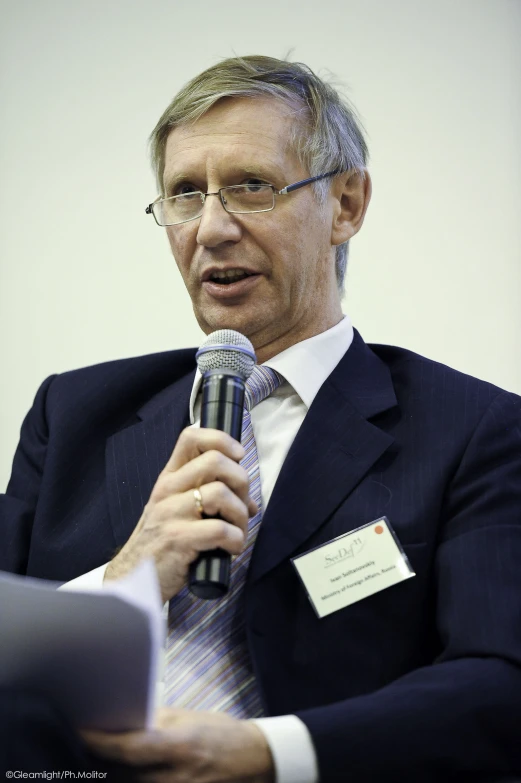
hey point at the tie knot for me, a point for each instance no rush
(261, 383)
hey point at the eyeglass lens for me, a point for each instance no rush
(240, 199)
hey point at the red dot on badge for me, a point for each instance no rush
(378, 530)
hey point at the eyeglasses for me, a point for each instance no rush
(236, 199)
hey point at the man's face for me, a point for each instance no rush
(290, 292)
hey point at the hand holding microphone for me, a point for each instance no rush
(171, 529)
(226, 359)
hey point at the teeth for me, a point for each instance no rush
(230, 275)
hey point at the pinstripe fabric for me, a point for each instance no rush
(207, 660)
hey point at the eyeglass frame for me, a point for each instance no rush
(284, 192)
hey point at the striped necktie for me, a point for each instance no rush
(207, 661)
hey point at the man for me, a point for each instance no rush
(417, 682)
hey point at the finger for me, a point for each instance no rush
(217, 501)
(220, 501)
(199, 536)
(204, 469)
(195, 441)
(166, 717)
(135, 748)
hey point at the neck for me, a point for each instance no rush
(267, 350)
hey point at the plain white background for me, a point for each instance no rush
(86, 276)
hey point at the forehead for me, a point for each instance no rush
(236, 133)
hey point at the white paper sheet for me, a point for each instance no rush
(94, 653)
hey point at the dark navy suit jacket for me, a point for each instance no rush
(420, 682)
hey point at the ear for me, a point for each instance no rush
(351, 194)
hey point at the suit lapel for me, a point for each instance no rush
(334, 448)
(136, 455)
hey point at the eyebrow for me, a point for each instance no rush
(170, 183)
(240, 171)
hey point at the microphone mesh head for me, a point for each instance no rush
(226, 350)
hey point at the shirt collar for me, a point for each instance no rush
(305, 365)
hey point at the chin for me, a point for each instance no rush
(239, 323)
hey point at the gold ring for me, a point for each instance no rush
(198, 502)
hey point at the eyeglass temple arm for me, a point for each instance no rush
(283, 192)
(150, 209)
(297, 185)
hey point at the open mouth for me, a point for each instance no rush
(228, 277)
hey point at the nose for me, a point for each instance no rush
(217, 226)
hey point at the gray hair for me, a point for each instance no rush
(327, 137)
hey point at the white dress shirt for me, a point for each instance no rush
(276, 421)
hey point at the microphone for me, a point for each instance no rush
(226, 359)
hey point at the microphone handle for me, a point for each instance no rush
(222, 407)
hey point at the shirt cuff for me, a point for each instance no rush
(292, 749)
(92, 580)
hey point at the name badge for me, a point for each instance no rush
(352, 567)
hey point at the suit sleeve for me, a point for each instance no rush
(458, 719)
(18, 504)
